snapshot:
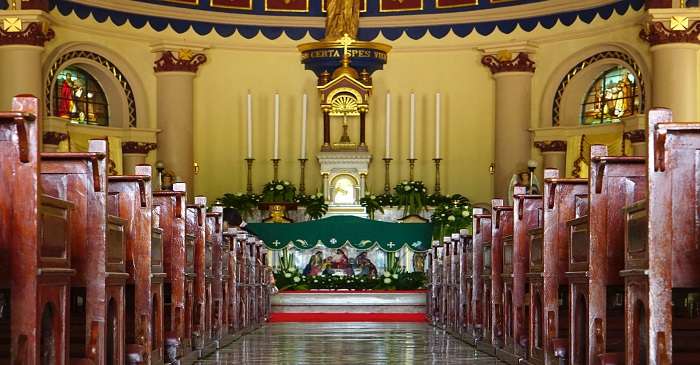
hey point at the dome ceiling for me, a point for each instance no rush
(297, 18)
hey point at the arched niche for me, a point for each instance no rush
(345, 189)
(571, 81)
(119, 81)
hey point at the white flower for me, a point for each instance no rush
(451, 218)
(395, 276)
(239, 194)
(287, 275)
(297, 279)
(424, 190)
(387, 274)
(407, 188)
(319, 195)
(286, 183)
(373, 197)
(465, 213)
(387, 281)
(279, 187)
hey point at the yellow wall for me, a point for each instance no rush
(451, 65)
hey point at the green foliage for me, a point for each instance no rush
(243, 203)
(278, 191)
(315, 204)
(412, 196)
(450, 218)
(371, 204)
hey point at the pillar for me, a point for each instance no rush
(637, 138)
(326, 187)
(175, 72)
(51, 141)
(553, 156)
(22, 39)
(363, 187)
(674, 48)
(513, 75)
(134, 154)
(326, 130)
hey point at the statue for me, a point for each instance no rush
(343, 18)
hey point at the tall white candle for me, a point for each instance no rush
(387, 147)
(276, 153)
(250, 125)
(437, 125)
(303, 126)
(412, 136)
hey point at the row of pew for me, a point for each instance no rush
(98, 269)
(604, 270)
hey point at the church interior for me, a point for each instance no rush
(377, 181)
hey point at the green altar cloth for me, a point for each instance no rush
(336, 232)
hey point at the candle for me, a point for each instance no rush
(437, 125)
(387, 148)
(303, 126)
(412, 136)
(250, 126)
(276, 153)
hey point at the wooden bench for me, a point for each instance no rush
(81, 178)
(35, 250)
(481, 296)
(527, 215)
(445, 252)
(501, 227)
(435, 283)
(596, 257)
(228, 279)
(158, 277)
(241, 277)
(131, 201)
(465, 275)
(549, 257)
(673, 240)
(116, 277)
(215, 228)
(196, 281)
(172, 225)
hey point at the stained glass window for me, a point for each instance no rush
(79, 98)
(613, 96)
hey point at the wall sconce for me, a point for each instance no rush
(196, 168)
(492, 168)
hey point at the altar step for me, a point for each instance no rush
(349, 306)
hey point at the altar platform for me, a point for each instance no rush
(349, 306)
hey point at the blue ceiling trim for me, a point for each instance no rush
(66, 7)
(4, 5)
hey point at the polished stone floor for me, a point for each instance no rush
(348, 343)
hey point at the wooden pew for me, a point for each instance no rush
(481, 296)
(116, 277)
(237, 272)
(130, 199)
(451, 257)
(172, 224)
(158, 277)
(636, 283)
(215, 221)
(464, 325)
(195, 280)
(81, 178)
(243, 279)
(435, 283)
(35, 250)
(502, 226)
(674, 233)
(596, 299)
(527, 215)
(228, 277)
(549, 257)
(445, 282)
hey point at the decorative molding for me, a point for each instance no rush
(551, 146)
(138, 147)
(505, 62)
(104, 62)
(54, 138)
(636, 136)
(184, 60)
(35, 34)
(622, 56)
(657, 33)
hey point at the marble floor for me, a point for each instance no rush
(348, 343)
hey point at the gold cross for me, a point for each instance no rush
(185, 54)
(12, 25)
(679, 22)
(346, 41)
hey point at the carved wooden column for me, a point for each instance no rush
(673, 36)
(134, 154)
(363, 114)
(23, 34)
(175, 70)
(512, 70)
(326, 130)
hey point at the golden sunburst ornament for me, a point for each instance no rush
(344, 105)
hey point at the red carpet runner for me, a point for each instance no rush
(348, 317)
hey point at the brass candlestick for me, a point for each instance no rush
(387, 187)
(275, 168)
(437, 175)
(302, 167)
(249, 185)
(411, 167)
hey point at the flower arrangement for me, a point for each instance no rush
(371, 204)
(412, 196)
(315, 204)
(293, 280)
(278, 191)
(450, 218)
(244, 203)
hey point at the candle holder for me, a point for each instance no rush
(411, 167)
(302, 168)
(249, 179)
(387, 187)
(275, 168)
(437, 175)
